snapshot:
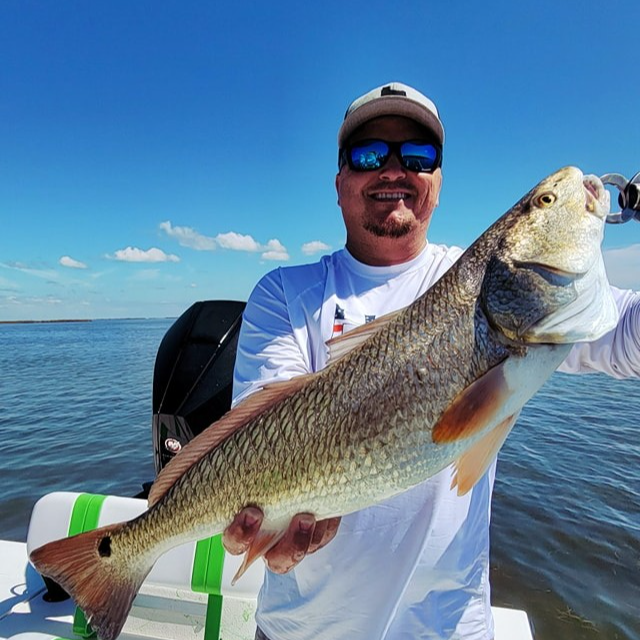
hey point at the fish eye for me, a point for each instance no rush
(545, 199)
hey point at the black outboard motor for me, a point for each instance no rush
(193, 374)
(192, 384)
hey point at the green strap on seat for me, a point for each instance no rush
(86, 512)
(206, 577)
(84, 517)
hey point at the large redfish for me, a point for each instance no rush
(437, 383)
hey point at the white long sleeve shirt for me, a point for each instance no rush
(416, 566)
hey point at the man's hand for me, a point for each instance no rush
(304, 535)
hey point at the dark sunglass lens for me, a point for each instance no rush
(368, 156)
(419, 157)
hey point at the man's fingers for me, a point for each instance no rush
(324, 533)
(304, 535)
(239, 535)
(293, 546)
(318, 534)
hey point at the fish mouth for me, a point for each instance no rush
(595, 194)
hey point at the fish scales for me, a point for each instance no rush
(405, 396)
(377, 415)
(373, 415)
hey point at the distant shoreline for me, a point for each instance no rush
(40, 321)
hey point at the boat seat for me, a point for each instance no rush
(175, 590)
(187, 596)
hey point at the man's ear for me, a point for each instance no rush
(438, 181)
(338, 187)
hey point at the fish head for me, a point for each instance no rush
(545, 280)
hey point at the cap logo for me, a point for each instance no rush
(388, 91)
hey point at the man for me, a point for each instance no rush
(416, 566)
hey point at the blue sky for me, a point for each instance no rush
(155, 153)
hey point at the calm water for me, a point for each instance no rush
(75, 414)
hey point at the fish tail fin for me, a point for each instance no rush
(99, 576)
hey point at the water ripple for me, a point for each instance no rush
(75, 414)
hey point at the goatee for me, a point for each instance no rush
(389, 230)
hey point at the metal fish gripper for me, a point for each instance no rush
(628, 198)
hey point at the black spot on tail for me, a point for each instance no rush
(104, 548)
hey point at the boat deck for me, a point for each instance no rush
(187, 596)
(24, 614)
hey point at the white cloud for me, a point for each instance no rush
(96, 275)
(188, 237)
(47, 274)
(237, 242)
(67, 261)
(622, 266)
(23, 301)
(275, 250)
(7, 285)
(133, 254)
(233, 241)
(20, 266)
(315, 246)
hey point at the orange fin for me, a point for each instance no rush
(341, 346)
(101, 579)
(473, 408)
(219, 431)
(261, 544)
(472, 464)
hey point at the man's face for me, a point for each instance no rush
(391, 202)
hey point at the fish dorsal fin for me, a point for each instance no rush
(473, 409)
(342, 345)
(219, 431)
(472, 464)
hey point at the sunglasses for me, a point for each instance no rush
(370, 155)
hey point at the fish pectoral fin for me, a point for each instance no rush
(472, 464)
(341, 346)
(261, 545)
(470, 413)
(474, 408)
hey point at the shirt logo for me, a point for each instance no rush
(338, 322)
(341, 325)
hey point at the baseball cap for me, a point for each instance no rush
(391, 99)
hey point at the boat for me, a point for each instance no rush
(188, 595)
